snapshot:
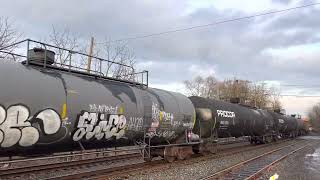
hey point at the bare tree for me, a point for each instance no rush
(205, 87)
(252, 94)
(275, 103)
(63, 39)
(119, 54)
(314, 116)
(234, 88)
(8, 35)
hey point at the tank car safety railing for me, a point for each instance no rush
(77, 62)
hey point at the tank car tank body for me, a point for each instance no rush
(287, 126)
(225, 119)
(300, 127)
(50, 109)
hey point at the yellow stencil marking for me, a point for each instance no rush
(121, 110)
(64, 111)
(274, 177)
(161, 115)
(194, 118)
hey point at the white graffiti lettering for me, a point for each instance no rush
(281, 121)
(227, 114)
(135, 123)
(103, 108)
(16, 125)
(162, 133)
(189, 124)
(98, 125)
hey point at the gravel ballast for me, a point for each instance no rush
(302, 165)
(201, 168)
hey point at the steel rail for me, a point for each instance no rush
(255, 175)
(195, 159)
(238, 165)
(66, 156)
(63, 165)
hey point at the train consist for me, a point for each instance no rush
(45, 108)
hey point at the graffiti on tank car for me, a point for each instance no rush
(99, 126)
(135, 123)
(281, 121)
(103, 108)
(226, 114)
(16, 125)
(176, 123)
(158, 115)
(162, 133)
(189, 124)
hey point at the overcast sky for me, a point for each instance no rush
(280, 49)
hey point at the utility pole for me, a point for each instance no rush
(90, 55)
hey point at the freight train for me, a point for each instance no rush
(46, 107)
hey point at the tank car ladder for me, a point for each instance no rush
(146, 151)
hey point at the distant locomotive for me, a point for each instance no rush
(46, 107)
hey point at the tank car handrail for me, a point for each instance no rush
(16, 43)
(76, 52)
(138, 80)
(12, 54)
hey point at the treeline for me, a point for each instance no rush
(314, 117)
(243, 91)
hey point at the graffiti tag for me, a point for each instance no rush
(135, 123)
(16, 125)
(99, 125)
(162, 133)
(103, 108)
(158, 115)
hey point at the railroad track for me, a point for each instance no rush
(64, 165)
(252, 168)
(57, 166)
(160, 165)
(77, 166)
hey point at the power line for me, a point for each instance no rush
(292, 95)
(301, 85)
(210, 24)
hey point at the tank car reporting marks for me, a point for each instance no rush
(227, 114)
(99, 125)
(16, 125)
(224, 124)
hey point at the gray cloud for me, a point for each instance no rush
(282, 1)
(233, 49)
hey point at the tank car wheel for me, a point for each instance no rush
(251, 141)
(147, 159)
(169, 159)
(213, 149)
(181, 156)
